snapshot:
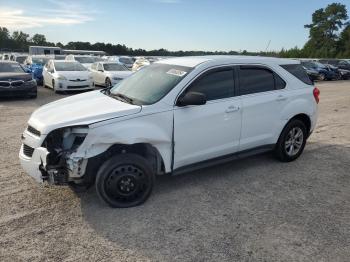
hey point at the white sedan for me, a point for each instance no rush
(62, 75)
(108, 73)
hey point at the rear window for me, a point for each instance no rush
(256, 79)
(299, 72)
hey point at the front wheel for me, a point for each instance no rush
(108, 82)
(292, 141)
(53, 85)
(125, 180)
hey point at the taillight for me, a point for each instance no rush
(316, 93)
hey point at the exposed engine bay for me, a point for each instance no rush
(61, 165)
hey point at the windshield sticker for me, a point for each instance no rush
(176, 72)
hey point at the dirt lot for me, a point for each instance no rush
(257, 209)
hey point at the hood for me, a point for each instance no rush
(73, 75)
(82, 109)
(15, 76)
(121, 74)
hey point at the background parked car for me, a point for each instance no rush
(109, 73)
(345, 74)
(35, 65)
(20, 58)
(339, 63)
(14, 81)
(335, 70)
(325, 73)
(313, 74)
(344, 64)
(125, 60)
(5, 56)
(62, 75)
(139, 63)
(85, 60)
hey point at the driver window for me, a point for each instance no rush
(100, 67)
(214, 85)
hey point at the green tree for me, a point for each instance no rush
(324, 30)
(39, 39)
(344, 43)
(20, 37)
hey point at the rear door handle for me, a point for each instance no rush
(281, 98)
(232, 109)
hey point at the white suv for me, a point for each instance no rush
(171, 117)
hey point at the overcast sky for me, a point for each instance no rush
(171, 24)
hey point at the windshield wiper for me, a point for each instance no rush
(122, 97)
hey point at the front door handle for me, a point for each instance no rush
(232, 109)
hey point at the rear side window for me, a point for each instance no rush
(258, 79)
(215, 85)
(299, 72)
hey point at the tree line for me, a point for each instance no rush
(329, 37)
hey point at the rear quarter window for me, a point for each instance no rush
(299, 72)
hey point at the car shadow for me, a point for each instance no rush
(253, 206)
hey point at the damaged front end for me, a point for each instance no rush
(62, 164)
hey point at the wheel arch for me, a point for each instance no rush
(304, 118)
(145, 150)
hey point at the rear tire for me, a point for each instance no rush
(125, 180)
(292, 141)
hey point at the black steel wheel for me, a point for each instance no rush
(125, 180)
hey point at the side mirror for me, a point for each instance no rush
(192, 98)
(101, 70)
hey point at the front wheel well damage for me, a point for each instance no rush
(147, 151)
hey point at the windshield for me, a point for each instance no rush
(20, 59)
(11, 68)
(126, 60)
(40, 61)
(114, 67)
(69, 66)
(150, 84)
(85, 59)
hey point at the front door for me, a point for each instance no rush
(211, 130)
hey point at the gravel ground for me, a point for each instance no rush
(256, 209)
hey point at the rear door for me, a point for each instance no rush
(203, 132)
(263, 97)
